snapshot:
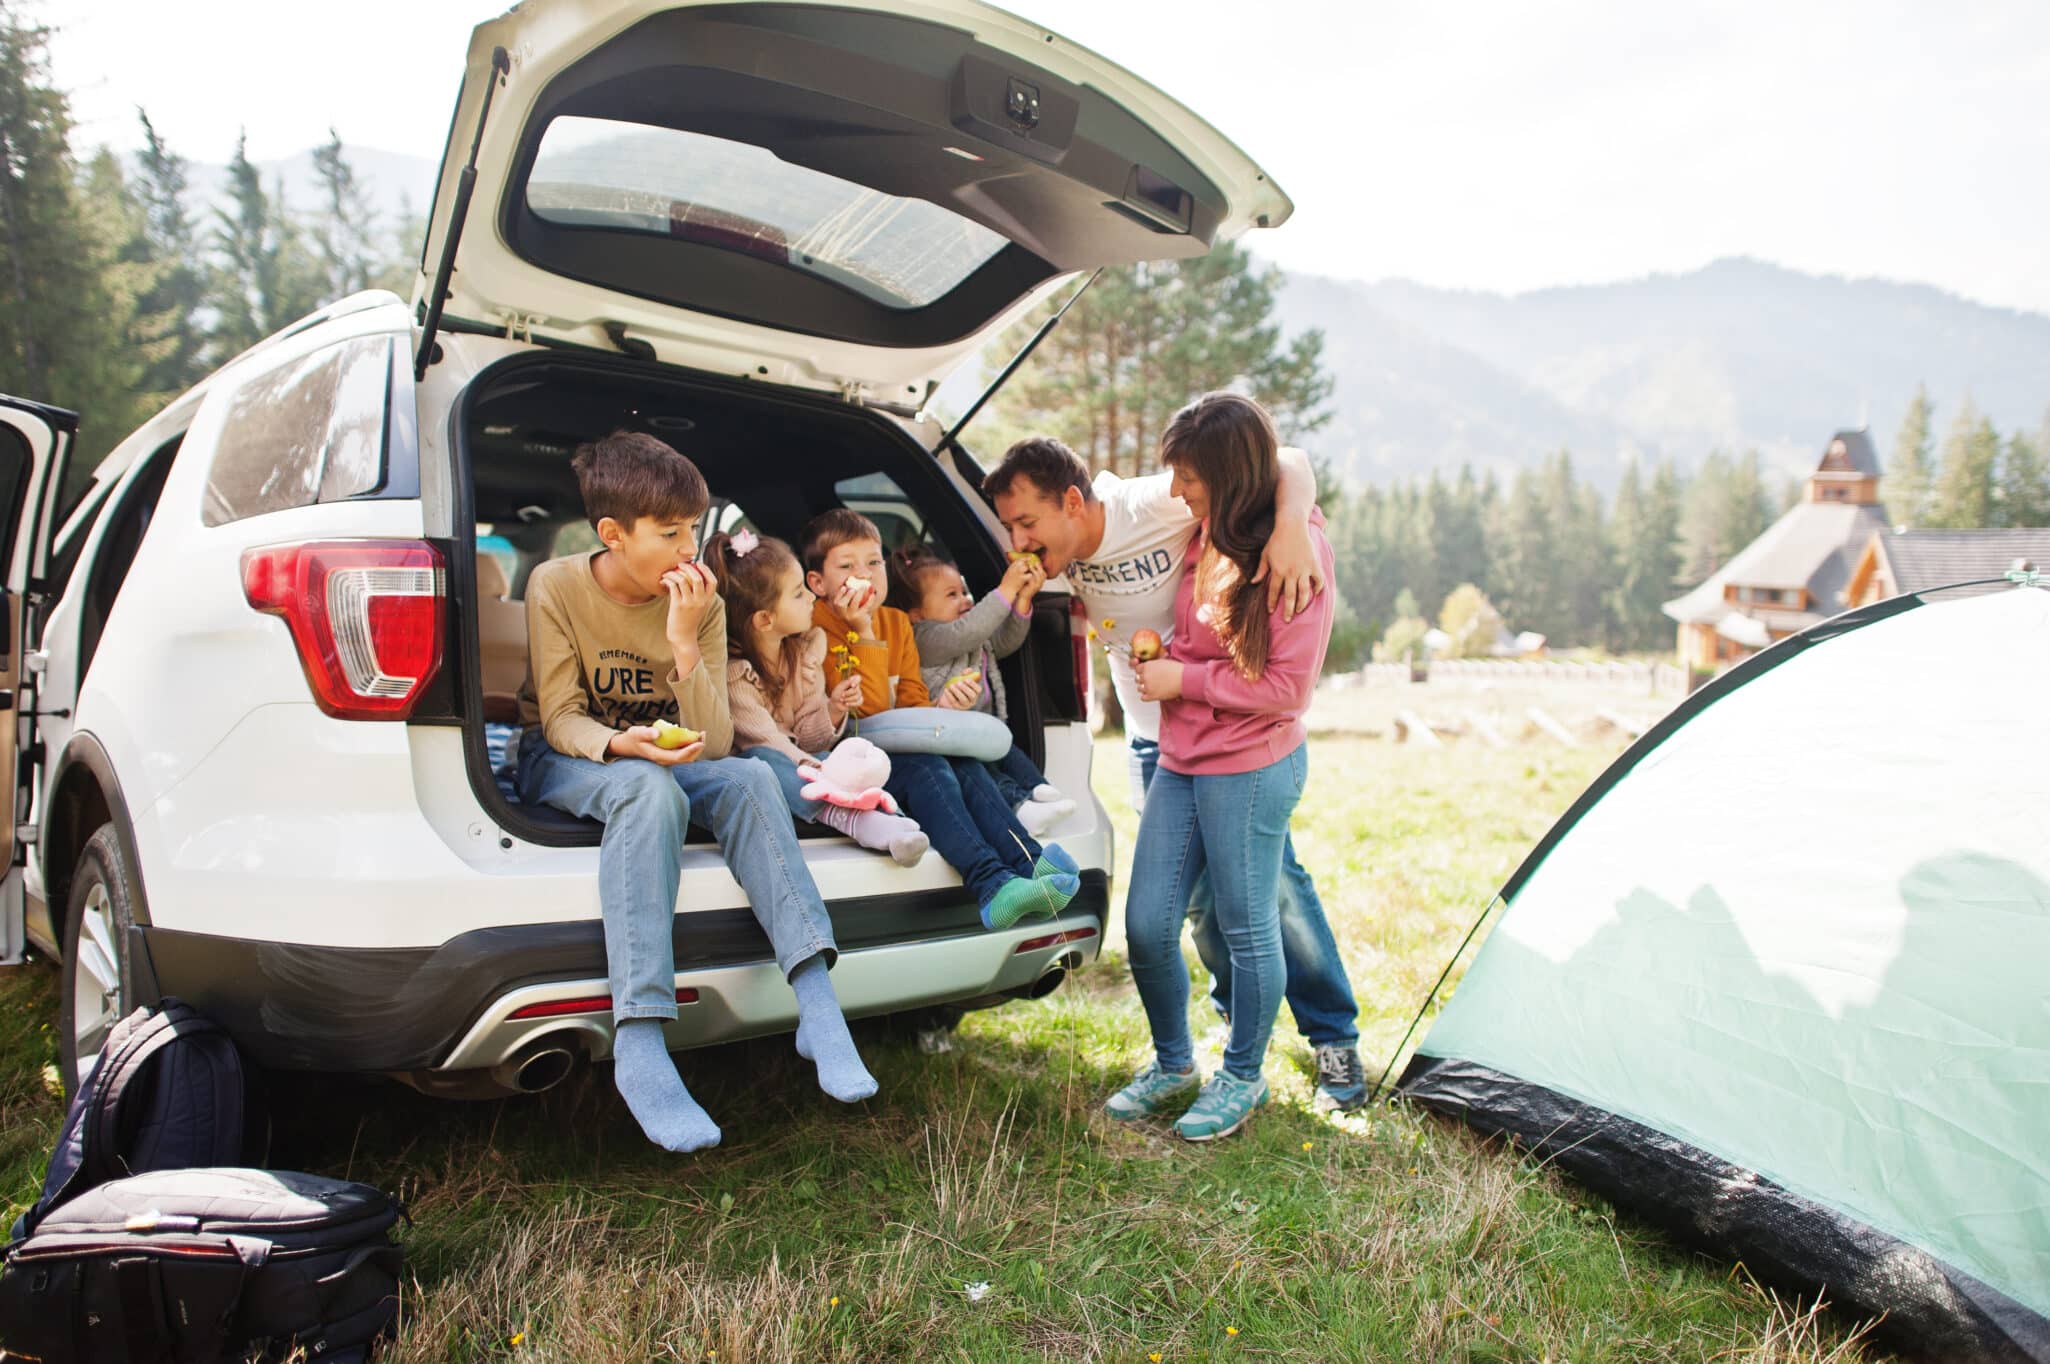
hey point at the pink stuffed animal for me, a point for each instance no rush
(851, 776)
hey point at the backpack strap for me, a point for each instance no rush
(118, 1070)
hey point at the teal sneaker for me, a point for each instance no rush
(1222, 1108)
(1150, 1092)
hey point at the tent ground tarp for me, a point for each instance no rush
(1782, 977)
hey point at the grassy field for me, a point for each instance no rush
(979, 1210)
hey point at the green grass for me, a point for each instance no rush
(818, 1232)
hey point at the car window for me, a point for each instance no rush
(607, 174)
(310, 430)
(881, 500)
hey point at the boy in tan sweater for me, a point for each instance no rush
(619, 638)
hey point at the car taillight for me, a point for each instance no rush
(1078, 635)
(366, 615)
(593, 1004)
(1053, 940)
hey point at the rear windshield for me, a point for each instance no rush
(603, 173)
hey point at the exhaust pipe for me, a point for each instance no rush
(1049, 980)
(542, 1064)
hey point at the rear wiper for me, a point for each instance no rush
(951, 438)
(465, 183)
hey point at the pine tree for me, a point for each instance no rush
(1964, 478)
(1642, 550)
(1906, 488)
(1523, 540)
(64, 304)
(345, 230)
(1146, 339)
(264, 277)
(169, 309)
(2024, 483)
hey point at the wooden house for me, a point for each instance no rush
(1897, 561)
(1795, 573)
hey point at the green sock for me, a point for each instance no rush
(1054, 861)
(1024, 897)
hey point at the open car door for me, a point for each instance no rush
(35, 443)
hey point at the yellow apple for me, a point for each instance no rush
(1145, 646)
(674, 736)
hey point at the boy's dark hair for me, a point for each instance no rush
(829, 530)
(908, 566)
(630, 474)
(1052, 467)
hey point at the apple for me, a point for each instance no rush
(860, 586)
(674, 736)
(1145, 646)
(1017, 554)
(972, 675)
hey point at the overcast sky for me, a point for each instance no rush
(1490, 145)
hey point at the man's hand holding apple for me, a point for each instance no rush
(1159, 679)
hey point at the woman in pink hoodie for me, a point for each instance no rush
(1233, 687)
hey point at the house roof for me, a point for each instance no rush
(1814, 546)
(1858, 454)
(1918, 560)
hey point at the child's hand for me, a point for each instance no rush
(960, 693)
(1020, 581)
(1159, 680)
(692, 590)
(845, 698)
(856, 600)
(639, 742)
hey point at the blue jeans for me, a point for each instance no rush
(956, 802)
(1319, 995)
(792, 785)
(646, 809)
(1016, 776)
(1233, 827)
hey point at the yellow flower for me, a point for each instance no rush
(1155, 1357)
(854, 636)
(518, 1336)
(1231, 1330)
(1110, 624)
(1306, 1146)
(833, 1302)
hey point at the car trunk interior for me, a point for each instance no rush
(770, 456)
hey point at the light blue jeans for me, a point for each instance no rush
(1319, 994)
(646, 809)
(1233, 827)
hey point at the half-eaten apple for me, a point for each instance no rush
(675, 736)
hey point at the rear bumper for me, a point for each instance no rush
(450, 1007)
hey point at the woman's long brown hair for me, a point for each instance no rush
(749, 583)
(1228, 443)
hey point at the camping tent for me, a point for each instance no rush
(1781, 977)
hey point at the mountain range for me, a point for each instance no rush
(1738, 355)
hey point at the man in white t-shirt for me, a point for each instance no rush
(1121, 544)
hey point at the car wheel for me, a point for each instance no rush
(94, 997)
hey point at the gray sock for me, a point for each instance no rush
(822, 1036)
(655, 1093)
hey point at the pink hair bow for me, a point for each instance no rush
(745, 542)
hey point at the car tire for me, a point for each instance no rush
(94, 995)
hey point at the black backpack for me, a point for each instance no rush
(198, 1266)
(168, 1093)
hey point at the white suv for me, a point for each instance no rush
(261, 663)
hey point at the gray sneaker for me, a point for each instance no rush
(1222, 1108)
(1341, 1080)
(1152, 1091)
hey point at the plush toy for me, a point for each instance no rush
(851, 776)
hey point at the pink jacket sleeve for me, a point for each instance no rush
(1295, 658)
